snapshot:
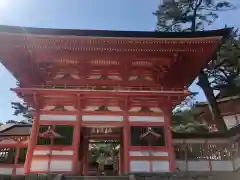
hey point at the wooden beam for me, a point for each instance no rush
(86, 56)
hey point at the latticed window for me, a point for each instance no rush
(220, 151)
(197, 152)
(64, 135)
(137, 131)
(22, 155)
(180, 151)
(7, 155)
(67, 135)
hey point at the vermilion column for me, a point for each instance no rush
(76, 141)
(32, 142)
(168, 134)
(126, 143)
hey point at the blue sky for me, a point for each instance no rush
(82, 14)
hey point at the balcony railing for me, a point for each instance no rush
(112, 88)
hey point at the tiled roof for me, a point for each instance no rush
(15, 129)
(108, 33)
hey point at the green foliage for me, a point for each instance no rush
(188, 15)
(224, 70)
(184, 121)
(195, 15)
(102, 149)
(22, 109)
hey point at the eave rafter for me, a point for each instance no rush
(102, 98)
(80, 42)
(153, 67)
(22, 66)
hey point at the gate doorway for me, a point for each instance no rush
(103, 157)
(103, 151)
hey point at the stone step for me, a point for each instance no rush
(96, 178)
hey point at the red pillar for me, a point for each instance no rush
(168, 134)
(76, 141)
(16, 160)
(126, 143)
(32, 142)
(86, 157)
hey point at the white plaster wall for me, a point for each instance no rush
(138, 153)
(146, 118)
(222, 165)
(148, 153)
(6, 170)
(237, 163)
(61, 165)
(195, 141)
(53, 152)
(139, 166)
(159, 153)
(198, 166)
(19, 171)
(181, 165)
(160, 166)
(45, 117)
(102, 118)
(39, 165)
(238, 118)
(41, 152)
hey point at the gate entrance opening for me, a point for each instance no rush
(103, 151)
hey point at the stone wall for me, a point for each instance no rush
(147, 176)
(32, 177)
(189, 176)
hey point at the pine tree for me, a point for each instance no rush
(194, 15)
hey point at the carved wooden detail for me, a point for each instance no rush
(58, 108)
(102, 108)
(14, 140)
(50, 133)
(145, 109)
(150, 135)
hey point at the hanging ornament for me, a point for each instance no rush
(150, 136)
(50, 133)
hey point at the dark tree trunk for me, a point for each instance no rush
(213, 105)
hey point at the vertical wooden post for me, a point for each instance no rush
(86, 147)
(16, 160)
(32, 142)
(121, 158)
(126, 137)
(185, 153)
(126, 148)
(76, 141)
(234, 153)
(208, 155)
(168, 134)
(76, 138)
